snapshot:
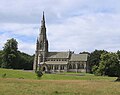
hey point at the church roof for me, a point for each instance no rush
(78, 57)
(54, 62)
(58, 55)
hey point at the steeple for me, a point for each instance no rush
(43, 36)
(41, 45)
(43, 16)
(43, 21)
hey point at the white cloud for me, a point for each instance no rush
(19, 29)
(24, 33)
(24, 11)
(81, 33)
(80, 25)
(3, 39)
(26, 47)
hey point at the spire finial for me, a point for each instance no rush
(43, 17)
(43, 20)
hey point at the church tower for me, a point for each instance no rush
(41, 46)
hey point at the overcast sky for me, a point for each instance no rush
(78, 25)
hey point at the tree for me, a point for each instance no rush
(109, 65)
(118, 53)
(25, 61)
(94, 69)
(10, 57)
(1, 57)
(84, 52)
(94, 59)
(10, 54)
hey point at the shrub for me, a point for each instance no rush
(39, 74)
(4, 75)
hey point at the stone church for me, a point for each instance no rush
(48, 61)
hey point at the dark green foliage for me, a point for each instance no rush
(109, 65)
(118, 53)
(11, 58)
(105, 63)
(39, 74)
(94, 58)
(10, 54)
(84, 52)
(94, 69)
(25, 61)
(1, 57)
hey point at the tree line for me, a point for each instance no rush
(104, 63)
(101, 62)
(12, 58)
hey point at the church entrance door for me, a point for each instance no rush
(44, 69)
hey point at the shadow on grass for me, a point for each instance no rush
(60, 93)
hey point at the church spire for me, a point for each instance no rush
(43, 16)
(42, 35)
(43, 21)
(43, 27)
(41, 45)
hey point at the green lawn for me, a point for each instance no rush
(17, 74)
(19, 82)
(60, 76)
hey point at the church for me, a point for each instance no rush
(48, 61)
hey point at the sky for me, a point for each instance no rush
(76, 25)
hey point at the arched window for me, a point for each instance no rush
(62, 67)
(56, 67)
(82, 66)
(51, 67)
(74, 66)
(79, 66)
(70, 66)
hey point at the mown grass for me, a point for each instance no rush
(19, 82)
(17, 74)
(60, 76)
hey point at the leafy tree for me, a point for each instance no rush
(109, 65)
(94, 69)
(94, 59)
(1, 57)
(10, 54)
(25, 61)
(118, 53)
(10, 57)
(84, 52)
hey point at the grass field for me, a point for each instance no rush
(56, 84)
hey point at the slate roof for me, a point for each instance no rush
(78, 57)
(55, 62)
(73, 57)
(58, 55)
